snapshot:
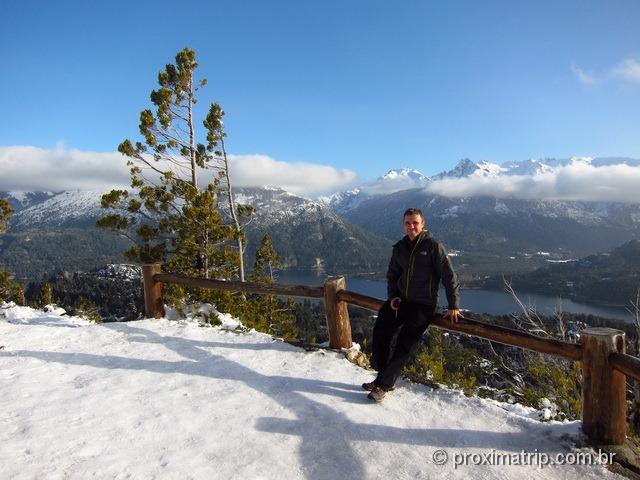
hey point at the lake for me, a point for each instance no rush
(478, 301)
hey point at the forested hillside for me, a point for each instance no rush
(607, 278)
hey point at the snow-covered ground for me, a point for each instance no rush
(170, 399)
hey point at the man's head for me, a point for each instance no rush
(413, 221)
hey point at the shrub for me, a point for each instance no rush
(10, 290)
(445, 360)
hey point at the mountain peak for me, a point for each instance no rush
(409, 173)
(586, 160)
(465, 162)
(464, 168)
(394, 180)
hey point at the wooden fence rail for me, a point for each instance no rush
(601, 350)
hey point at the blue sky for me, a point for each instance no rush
(364, 86)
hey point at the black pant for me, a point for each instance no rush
(412, 319)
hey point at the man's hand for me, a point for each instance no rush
(395, 303)
(453, 315)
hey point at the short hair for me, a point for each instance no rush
(413, 211)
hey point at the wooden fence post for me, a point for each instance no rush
(337, 314)
(153, 304)
(604, 409)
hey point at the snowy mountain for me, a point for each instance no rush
(307, 234)
(393, 181)
(530, 167)
(467, 168)
(406, 178)
(170, 399)
(56, 231)
(53, 231)
(273, 204)
(506, 226)
(341, 233)
(22, 200)
(68, 208)
(500, 225)
(403, 175)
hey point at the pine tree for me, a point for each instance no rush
(10, 290)
(267, 312)
(5, 214)
(266, 261)
(46, 295)
(216, 135)
(168, 217)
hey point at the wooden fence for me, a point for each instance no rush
(601, 350)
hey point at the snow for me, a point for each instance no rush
(451, 212)
(275, 205)
(172, 399)
(501, 208)
(583, 160)
(63, 207)
(18, 196)
(395, 180)
(403, 173)
(464, 168)
(122, 271)
(482, 172)
(489, 169)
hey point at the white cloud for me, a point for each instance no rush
(27, 168)
(384, 188)
(297, 177)
(584, 77)
(579, 181)
(627, 70)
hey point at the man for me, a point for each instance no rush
(417, 266)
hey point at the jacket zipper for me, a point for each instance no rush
(411, 262)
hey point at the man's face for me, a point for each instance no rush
(413, 225)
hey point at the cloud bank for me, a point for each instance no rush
(27, 168)
(579, 182)
(298, 177)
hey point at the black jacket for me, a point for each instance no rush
(416, 269)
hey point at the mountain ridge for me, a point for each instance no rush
(305, 233)
(351, 231)
(405, 178)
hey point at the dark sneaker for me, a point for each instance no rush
(377, 394)
(369, 386)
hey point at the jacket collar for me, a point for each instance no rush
(420, 238)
